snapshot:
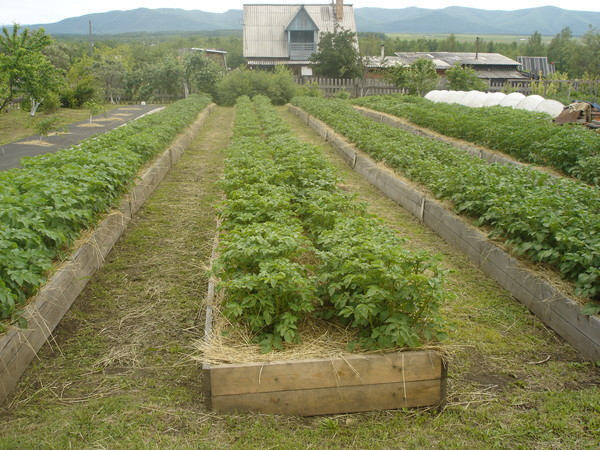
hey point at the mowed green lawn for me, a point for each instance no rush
(17, 124)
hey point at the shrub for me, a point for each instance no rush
(279, 85)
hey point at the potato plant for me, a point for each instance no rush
(549, 220)
(527, 136)
(293, 245)
(47, 203)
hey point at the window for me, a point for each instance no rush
(302, 37)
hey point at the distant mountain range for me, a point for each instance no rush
(547, 20)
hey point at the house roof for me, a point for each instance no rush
(264, 26)
(536, 64)
(209, 50)
(486, 70)
(391, 61)
(446, 59)
(500, 74)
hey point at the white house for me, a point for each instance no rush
(289, 34)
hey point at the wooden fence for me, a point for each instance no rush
(567, 89)
(355, 87)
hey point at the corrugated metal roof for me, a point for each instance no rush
(264, 26)
(507, 72)
(209, 50)
(391, 61)
(536, 64)
(470, 59)
(501, 74)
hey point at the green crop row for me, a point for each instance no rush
(293, 245)
(47, 203)
(549, 220)
(529, 137)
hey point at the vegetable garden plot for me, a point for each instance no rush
(548, 220)
(529, 137)
(89, 160)
(559, 312)
(293, 246)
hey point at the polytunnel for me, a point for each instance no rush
(493, 98)
(474, 99)
(512, 99)
(551, 107)
(530, 103)
(436, 96)
(454, 96)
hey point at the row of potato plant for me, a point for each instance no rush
(549, 220)
(527, 136)
(293, 245)
(46, 204)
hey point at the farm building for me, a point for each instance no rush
(490, 66)
(289, 34)
(536, 66)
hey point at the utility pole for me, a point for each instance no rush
(91, 43)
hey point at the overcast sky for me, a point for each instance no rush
(29, 12)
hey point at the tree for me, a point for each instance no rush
(449, 44)
(24, 68)
(534, 46)
(110, 73)
(464, 79)
(561, 49)
(337, 55)
(586, 60)
(82, 85)
(418, 78)
(47, 125)
(201, 73)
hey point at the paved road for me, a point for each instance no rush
(11, 154)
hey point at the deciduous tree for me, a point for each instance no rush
(24, 69)
(418, 78)
(464, 79)
(338, 55)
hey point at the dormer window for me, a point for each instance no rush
(302, 36)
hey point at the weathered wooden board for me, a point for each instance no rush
(329, 386)
(339, 400)
(552, 306)
(18, 347)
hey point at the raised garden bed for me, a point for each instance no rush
(320, 386)
(18, 346)
(294, 250)
(553, 307)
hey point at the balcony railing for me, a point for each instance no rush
(302, 47)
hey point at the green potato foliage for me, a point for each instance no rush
(46, 204)
(293, 245)
(549, 220)
(527, 136)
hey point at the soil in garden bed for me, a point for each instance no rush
(118, 372)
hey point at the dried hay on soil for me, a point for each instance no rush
(90, 125)
(37, 142)
(225, 343)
